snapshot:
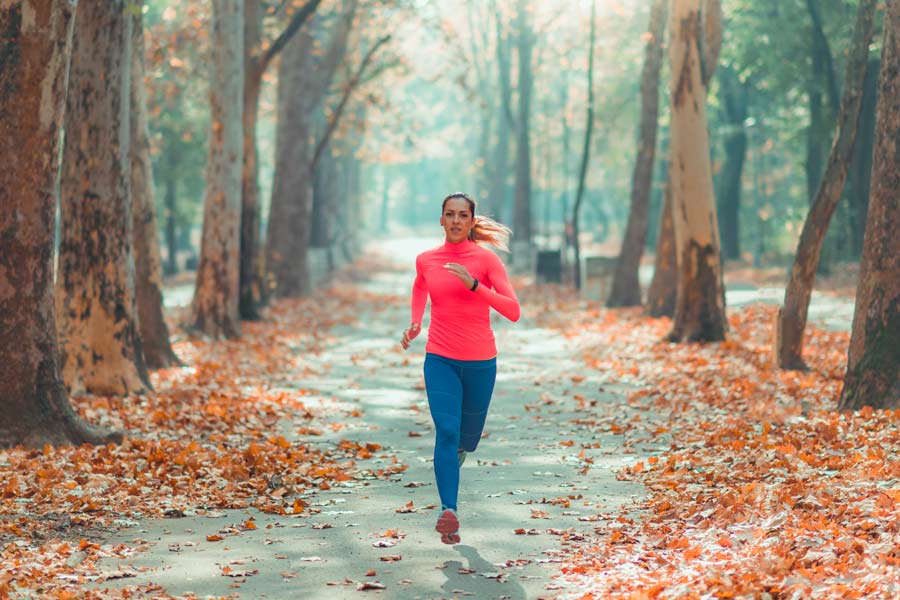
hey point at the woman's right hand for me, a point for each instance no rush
(410, 334)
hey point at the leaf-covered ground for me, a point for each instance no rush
(202, 441)
(765, 491)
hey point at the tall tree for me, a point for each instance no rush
(505, 121)
(99, 338)
(873, 362)
(214, 309)
(303, 80)
(154, 332)
(257, 59)
(696, 27)
(791, 320)
(586, 149)
(626, 289)
(522, 199)
(35, 43)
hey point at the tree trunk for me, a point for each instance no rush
(35, 42)
(626, 289)
(699, 305)
(734, 98)
(664, 286)
(522, 207)
(504, 124)
(586, 149)
(861, 167)
(154, 332)
(250, 268)
(287, 235)
(99, 338)
(304, 78)
(791, 319)
(214, 310)
(873, 362)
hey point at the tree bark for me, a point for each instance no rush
(214, 309)
(522, 206)
(96, 310)
(791, 319)
(664, 286)
(154, 332)
(733, 94)
(873, 362)
(250, 268)
(626, 288)
(699, 303)
(287, 234)
(861, 167)
(35, 43)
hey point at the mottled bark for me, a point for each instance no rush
(96, 310)
(873, 362)
(522, 229)
(154, 332)
(214, 309)
(664, 286)
(35, 46)
(699, 304)
(791, 319)
(626, 289)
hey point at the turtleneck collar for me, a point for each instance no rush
(464, 245)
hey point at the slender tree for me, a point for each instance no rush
(522, 205)
(733, 95)
(586, 149)
(99, 338)
(696, 28)
(626, 289)
(791, 320)
(36, 42)
(873, 362)
(214, 309)
(154, 332)
(257, 59)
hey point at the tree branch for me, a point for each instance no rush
(293, 27)
(351, 85)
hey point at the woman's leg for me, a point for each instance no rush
(445, 391)
(478, 387)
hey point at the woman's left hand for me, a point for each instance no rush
(461, 272)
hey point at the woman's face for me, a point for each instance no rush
(457, 220)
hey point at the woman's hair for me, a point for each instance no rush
(485, 229)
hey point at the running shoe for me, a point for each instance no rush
(448, 527)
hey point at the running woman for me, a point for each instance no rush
(464, 281)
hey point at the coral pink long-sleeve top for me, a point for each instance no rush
(460, 319)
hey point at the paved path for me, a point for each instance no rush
(521, 471)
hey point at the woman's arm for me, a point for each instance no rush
(419, 295)
(502, 298)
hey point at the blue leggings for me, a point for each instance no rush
(459, 393)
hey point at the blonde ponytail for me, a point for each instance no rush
(490, 232)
